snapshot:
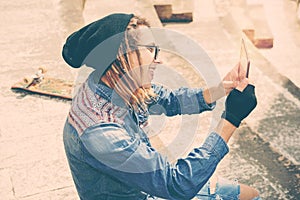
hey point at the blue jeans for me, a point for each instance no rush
(225, 190)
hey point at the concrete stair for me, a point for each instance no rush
(251, 19)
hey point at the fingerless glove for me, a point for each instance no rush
(239, 105)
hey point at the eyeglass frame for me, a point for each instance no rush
(157, 49)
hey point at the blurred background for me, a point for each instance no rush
(265, 151)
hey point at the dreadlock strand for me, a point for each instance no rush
(123, 77)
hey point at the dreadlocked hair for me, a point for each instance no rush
(121, 76)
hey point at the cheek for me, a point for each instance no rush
(146, 57)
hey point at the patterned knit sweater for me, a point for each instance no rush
(89, 109)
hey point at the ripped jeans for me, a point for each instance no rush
(225, 190)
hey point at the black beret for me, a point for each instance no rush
(96, 44)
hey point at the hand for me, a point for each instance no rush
(229, 82)
(233, 78)
(239, 103)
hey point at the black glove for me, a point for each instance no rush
(239, 105)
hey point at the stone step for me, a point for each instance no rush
(279, 98)
(166, 15)
(95, 10)
(263, 35)
(252, 21)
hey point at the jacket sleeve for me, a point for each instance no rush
(180, 101)
(117, 153)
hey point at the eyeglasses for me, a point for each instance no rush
(153, 49)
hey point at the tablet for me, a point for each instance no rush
(244, 59)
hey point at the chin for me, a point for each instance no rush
(151, 76)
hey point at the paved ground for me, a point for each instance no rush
(33, 164)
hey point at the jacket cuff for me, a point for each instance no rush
(214, 143)
(203, 104)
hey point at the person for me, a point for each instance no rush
(108, 151)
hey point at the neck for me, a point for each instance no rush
(104, 80)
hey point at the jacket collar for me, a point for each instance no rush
(104, 91)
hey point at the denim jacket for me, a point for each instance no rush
(110, 156)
